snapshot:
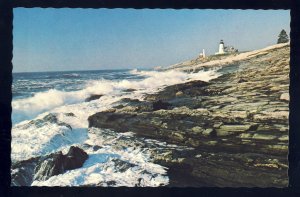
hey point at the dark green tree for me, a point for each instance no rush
(282, 37)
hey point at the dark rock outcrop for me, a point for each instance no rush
(70, 114)
(51, 165)
(58, 163)
(128, 104)
(157, 105)
(75, 158)
(93, 97)
(43, 167)
(129, 90)
(192, 88)
(22, 172)
(241, 80)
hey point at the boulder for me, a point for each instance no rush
(57, 163)
(75, 158)
(52, 165)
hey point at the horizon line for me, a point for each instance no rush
(111, 69)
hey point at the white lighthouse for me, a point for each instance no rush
(221, 47)
(225, 49)
(203, 53)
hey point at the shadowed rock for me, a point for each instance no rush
(71, 114)
(129, 90)
(160, 105)
(22, 172)
(191, 88)
(58, 163)
(242, 80)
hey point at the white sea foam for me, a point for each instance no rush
(101, 173)
(28, 108)
(33, 140)
(30, 141)
(99, 168)
(48, 138)
(71, 75)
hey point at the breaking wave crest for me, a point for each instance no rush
(28, 108)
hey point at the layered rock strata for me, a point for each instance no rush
(236, 125)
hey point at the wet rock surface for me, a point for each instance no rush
(236, 125)
(42, 168)
(22, 172)
(58, 163)
(48, 119)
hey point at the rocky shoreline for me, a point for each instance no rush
(229, 132)
(236, 126)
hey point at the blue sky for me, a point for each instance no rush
(92, 39)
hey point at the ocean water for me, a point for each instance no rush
(38, 92)
(36, 95)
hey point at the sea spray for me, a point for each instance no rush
(30, 140)
(28, 108)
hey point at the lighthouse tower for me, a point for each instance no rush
(203, 53)
(221, 47)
